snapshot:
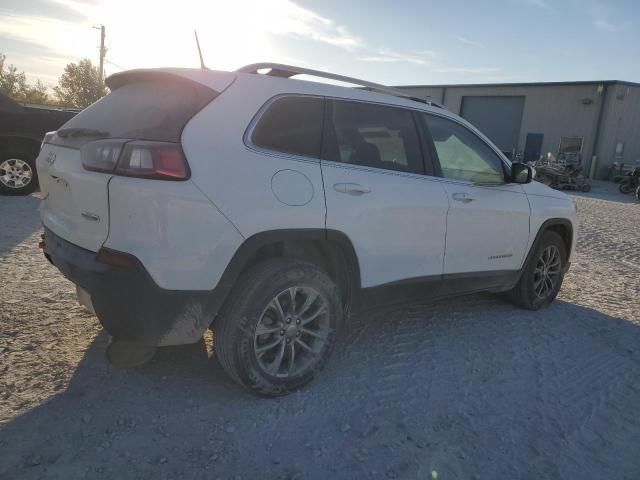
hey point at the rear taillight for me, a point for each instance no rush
(157, 160)
(102, 155)
(160, 160)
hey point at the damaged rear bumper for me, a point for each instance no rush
(128, 302)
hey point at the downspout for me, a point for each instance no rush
(444, 95)
(596, 136)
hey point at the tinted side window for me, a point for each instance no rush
(374, 136)
(462, 154)
(291, 125)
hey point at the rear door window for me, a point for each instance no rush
(372, 135)
(291, 124)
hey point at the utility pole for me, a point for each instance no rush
(103, 51)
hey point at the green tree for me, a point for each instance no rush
(80, 85)
(14, 84)
(35, 94)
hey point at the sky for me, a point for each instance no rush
(402, 42)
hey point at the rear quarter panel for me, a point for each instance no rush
(182, 239)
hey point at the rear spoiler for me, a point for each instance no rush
(214, 80)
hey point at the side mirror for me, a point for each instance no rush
(521, 173)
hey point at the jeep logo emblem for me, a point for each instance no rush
(50, 158)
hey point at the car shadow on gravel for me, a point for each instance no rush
(469, 388)
(14, 229)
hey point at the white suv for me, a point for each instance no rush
(263, 207)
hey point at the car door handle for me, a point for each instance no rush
(351, 188)
(462, 197)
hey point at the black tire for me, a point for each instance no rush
(24, 155)
(524, 293)
(638, 193)
(586, 187)
(255, 291)
(625, 187)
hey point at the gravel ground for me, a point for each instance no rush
(471, 388)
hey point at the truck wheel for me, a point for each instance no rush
(278, 327)
(542, 277)
(18, 174)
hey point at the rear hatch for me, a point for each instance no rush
(144, 105)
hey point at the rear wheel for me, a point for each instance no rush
(279, 326)
(542, 277)
(18, 174)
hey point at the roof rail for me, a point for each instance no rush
(287, 71)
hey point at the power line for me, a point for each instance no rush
(115, 64)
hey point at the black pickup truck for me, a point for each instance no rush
(22, 129)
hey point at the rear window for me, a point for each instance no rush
(150, 109)
(291, 125)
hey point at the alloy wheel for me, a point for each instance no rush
(291, 332)
(15, 173)
(547, 272)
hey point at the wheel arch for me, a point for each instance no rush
(330, 250)
(561, 226)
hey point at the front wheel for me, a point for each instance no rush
(543, 275)
(279, 326)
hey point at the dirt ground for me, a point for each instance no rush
(472, 388)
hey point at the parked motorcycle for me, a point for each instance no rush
(630, 182)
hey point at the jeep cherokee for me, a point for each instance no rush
(263, 207)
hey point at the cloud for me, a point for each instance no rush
(284, 17)
(467, 41)
(538, 4)
(38, 61)
(66, 38)
(470, 70)
(604, 25)
(385, 55)
(600, 17)
(294, 20)
(231, 33)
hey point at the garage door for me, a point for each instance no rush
(499, 118)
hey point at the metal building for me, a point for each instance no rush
(600, 120)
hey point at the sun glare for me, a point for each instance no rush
(153, 34)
